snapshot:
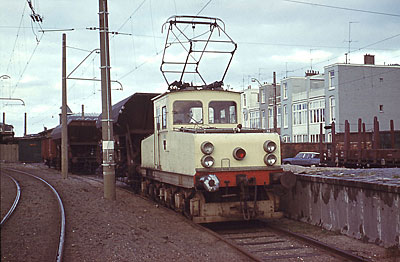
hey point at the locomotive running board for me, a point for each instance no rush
(181, 180)
(229, 211)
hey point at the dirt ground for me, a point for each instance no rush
(128, 229)
(135, 229)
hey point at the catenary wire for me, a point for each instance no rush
(342, 8)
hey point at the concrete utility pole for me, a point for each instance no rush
(64, 128)
(275, 113)
(106, 121)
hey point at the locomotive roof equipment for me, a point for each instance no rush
(186, 55)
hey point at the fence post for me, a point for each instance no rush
(333, 146)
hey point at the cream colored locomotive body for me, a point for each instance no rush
(176, 167)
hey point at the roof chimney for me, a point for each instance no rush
(369, 59)
(312, 73)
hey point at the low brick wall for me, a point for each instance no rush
(366, 211)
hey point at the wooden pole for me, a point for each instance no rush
(333, 146)
(392, 141)
(275, 108)
(346, 140)
(321, 151)
(360, 138)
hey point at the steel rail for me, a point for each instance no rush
(337, 251)
(16, 201)
(62, 211)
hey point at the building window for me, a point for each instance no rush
(279, 116)
(158, 117)
(255, 119)
(332, 106)
(164, 117)
(299, 114)
(285, 94)
(263, 126)
(381, 108)
(331, 76)
(270, 117)
(285, 116)
(244, 99)
(317, 111)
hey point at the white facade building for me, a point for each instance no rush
(354, 91)
(303, 107)
(251, 107)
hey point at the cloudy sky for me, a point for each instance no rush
(287, 37)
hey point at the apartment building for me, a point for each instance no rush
(354, 91)
(251, 107)
(267, 106)
(343, 92)
(302, 107)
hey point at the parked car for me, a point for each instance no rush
(303, 159)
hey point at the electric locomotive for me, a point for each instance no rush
(200, 160)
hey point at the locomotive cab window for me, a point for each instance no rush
(187, 112)
(164, 117)
(222, 112)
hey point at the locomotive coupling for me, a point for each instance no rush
(210, 182)
(287, 179)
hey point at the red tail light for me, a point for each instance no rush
(239, 153)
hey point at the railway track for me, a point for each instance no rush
(268, 242)
(264, 241)
(14, 204)
(40, 226)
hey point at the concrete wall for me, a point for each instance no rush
(9, 153)
(366, 211)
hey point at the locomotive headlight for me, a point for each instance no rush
(207, 161)
(207, 147)
(269, 146)
(270, 159)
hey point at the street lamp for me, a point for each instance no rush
(5, 77)
(253, 79)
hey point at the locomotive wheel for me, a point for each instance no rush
(157, 194)
(169, 199)
(151, 191)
